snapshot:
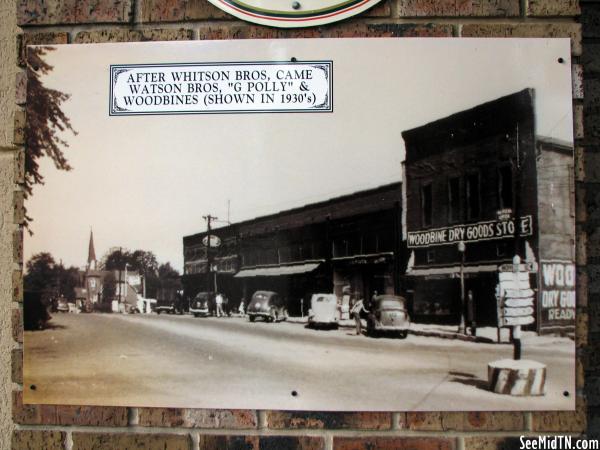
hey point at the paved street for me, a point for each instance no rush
(182, 361)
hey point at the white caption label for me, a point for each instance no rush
(221, 88)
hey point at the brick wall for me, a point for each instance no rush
(70, 427)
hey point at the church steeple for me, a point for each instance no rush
(91, 263)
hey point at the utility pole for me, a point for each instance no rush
(208, 219)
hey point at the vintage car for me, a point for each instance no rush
(324, 311)
(268, 305)
(62, 305)
(202, 304)
(388, 313)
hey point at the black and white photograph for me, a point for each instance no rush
(331, 225)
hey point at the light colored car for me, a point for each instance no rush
(268, 305)
(388, 313)
(324, 311)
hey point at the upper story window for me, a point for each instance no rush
(454, 200)
(473, 196)
(505, 187)
(426, 204)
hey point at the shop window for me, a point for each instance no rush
(473, 196)
(430, 256)
(426, 204)
(505, 187)
(340, 248)
(454, 199)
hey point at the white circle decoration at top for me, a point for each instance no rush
(293, 13)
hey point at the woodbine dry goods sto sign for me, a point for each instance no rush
(231, 205)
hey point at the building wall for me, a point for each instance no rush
(66, 427)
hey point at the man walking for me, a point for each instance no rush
(358, 307)
(219, 303)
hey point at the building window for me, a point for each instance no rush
(473, 196)
(430, 256)
(426, 204)
(454, 199)
(92, 283)
(505, 187)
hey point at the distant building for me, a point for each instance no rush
(127, 283)
(353, 240)
(482, 177)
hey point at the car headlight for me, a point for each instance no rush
(257, 306)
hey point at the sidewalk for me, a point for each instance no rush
(487, 335)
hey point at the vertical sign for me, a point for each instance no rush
(557, 294)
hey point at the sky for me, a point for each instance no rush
(144, 182)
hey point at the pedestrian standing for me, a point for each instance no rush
(219, 303)
(242, 309)
(471, 313)
(358, 307)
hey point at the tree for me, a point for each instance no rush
(68, 280)
(166, 272)
(45, 120)
(40, 273)
(109, 287)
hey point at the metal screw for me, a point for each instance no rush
(296, 5)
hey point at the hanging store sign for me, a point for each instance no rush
(482, 231)
(221, 88)
(293, 13)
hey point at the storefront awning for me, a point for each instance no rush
(455, 270)
(277, 271)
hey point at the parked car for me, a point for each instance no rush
(176, 306)
(388, 313)
(268, 305)
(324, 311)
(62, 305)
(202, 304)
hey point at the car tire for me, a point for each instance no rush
(251, 318)
(403, 334)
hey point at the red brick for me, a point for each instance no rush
(120, 35)
(24, 414)
(56, 12)
(21, 87)
(18, 246)
(38, 38)
(561, 421)
(17, 285)
(130, 441)
(553, 8)
(17, 366)
(19, 130)
(261, 442)
(348, 29)
(483, 421)
(424, 421)
(463, 8)
(329, 420)
(197, 418)
(393, 443)
(17, 325)
(381, 9)
(577, 80)
(581, 329)
(578, 129)
(36, 440)
(526, 30)
(18, 207)
(178, 10)
(97, 416)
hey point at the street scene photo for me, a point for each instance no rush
(280, 225)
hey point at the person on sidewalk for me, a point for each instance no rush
(358, 307)
(471, 323)
(219, 303)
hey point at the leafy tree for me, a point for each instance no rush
(109, 287)
(166, 271)
(45, 120)
(40, 273)
(68, 280)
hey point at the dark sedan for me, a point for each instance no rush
(268, 305)
(388, 313)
